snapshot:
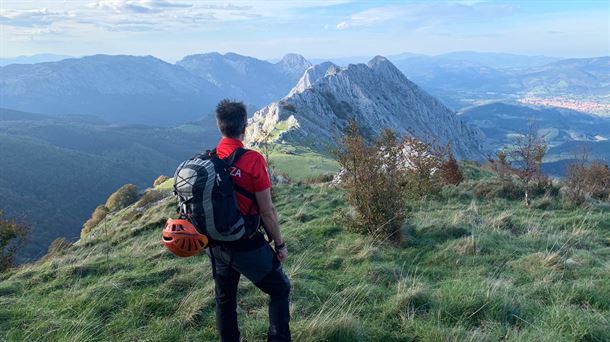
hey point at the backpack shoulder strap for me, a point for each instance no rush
(234, 157)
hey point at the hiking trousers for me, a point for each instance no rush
(262, 268)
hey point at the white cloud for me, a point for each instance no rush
(425, 14)
(138, 6)
(32, 18)
(343, 25)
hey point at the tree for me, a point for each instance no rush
(265, 144)
(528, 151)
(374, 180)
(12, 237)
(450, 170)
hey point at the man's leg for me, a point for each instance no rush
(277, 286)
(225, 281)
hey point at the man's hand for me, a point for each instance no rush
(281, 251)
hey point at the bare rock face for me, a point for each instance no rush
(376, 95)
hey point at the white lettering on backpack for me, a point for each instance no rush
(235, 172)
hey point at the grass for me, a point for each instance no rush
(467, 269)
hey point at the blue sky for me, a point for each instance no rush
(171, 29)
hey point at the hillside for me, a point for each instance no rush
(376, 95)
(55, 171)
(566, 131)
(468, 269)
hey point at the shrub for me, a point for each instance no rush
(12, 237)
(423, 162)
(160, 180)
(450, 172)
(98, 215)
(586, 181)
(125, 196)
(374, 187)
(150, 197)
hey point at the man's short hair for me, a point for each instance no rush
(231, 118)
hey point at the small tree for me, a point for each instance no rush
(265, 144)
(450, 170)
(12, 237)
(502, 168)
(374, 180)
(528, 151)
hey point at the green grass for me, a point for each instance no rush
(299, 163)
(466, 270)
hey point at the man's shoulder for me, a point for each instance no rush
(252, 156)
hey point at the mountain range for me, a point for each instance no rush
(376, 95)
(145, 89)
(133, 89)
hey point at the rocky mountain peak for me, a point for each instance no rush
(376, 95)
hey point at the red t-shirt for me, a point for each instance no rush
(249, 172)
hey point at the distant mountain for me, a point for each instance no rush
(499, 60)
(132, 89)
(376, 95)
(587, 76)
(253, 80)
(126, 89)
(38, 58)
(566, 131)
(463, 79)
(55, 171)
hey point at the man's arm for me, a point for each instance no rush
(269, 217)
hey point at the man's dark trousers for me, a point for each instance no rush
(259, 265)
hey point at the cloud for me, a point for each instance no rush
(425, 14)
(138, 6)
(227, 6)
(32, 18)
(344, 25)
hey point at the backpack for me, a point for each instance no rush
(206, 197)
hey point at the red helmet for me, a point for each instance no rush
(182, 238)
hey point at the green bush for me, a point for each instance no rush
(160, 180)
(98, 215)
(125, 196)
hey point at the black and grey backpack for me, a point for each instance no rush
(206, 197)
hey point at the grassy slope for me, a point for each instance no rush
(463, 271)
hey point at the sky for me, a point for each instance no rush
(171, 29)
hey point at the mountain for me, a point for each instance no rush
(55, 171)
(253, 80)
(376, 95)
(38, 58)
(499, 60)
(146, 90)
(463, 79)
(588, 76)
(566, 131)
(126, 89)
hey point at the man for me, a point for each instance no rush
(251, 256)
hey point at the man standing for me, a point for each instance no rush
(251, 256)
